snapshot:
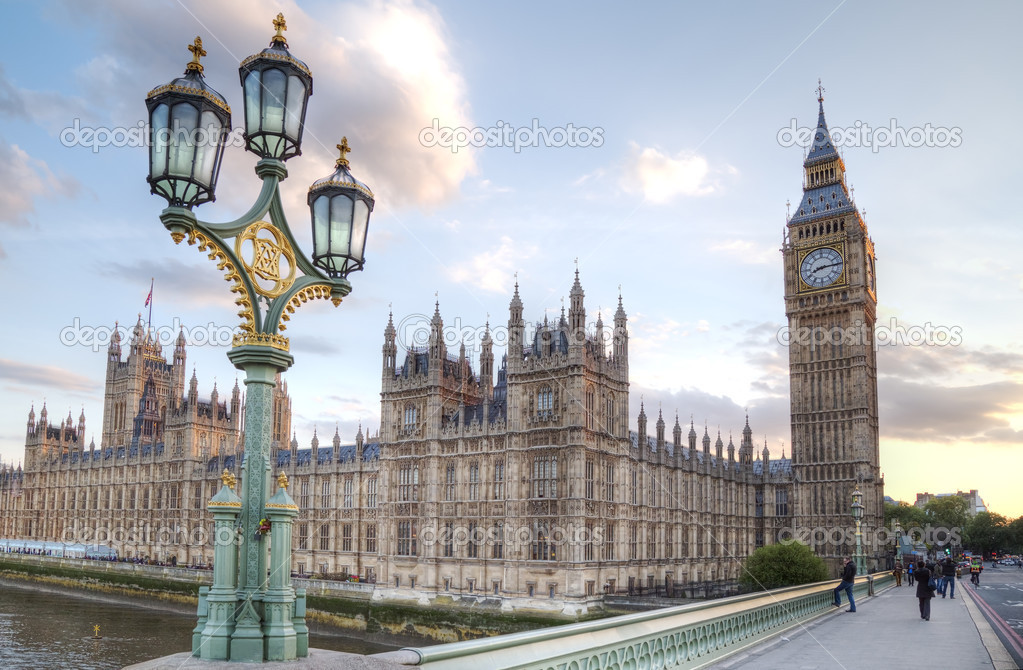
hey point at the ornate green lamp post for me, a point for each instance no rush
(857, 513)
(898, 540)
(271, 277)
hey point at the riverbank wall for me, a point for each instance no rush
(346, 607)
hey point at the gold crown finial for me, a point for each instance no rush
(280, 25)
(282, 481)
(344, 149)
(197, 53)
(820, 91)
(228, 479)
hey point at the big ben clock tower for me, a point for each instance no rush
(831, 305)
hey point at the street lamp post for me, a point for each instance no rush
(898, 541)
(857, 513)
(249, 616)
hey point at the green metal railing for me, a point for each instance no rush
(687, 636)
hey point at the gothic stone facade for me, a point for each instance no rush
(523, 482)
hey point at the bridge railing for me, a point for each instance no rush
(687, 636)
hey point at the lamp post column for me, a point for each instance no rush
(857, 513)
(215, 638)
(261, 364)
(279, 599)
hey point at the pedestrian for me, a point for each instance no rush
(923, 590)
(909, 572)
(848, 578)
(898, 573)
(948, 578)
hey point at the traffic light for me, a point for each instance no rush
(948, 551)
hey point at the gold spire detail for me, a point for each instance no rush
(228, 479)
(820, 91)
(280, 26)
(197, 53)
(344, 149)
(282, 481)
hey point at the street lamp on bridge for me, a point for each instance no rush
(857, 514)
(248, 616)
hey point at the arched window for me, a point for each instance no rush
(545, 476)
(591, 407)
(609, 414)
(410, 418)
(544, 403)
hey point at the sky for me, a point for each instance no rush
(657, 150)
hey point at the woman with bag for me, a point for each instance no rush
(924, 591)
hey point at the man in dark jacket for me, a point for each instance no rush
(848, 577)
(923, 591)
(948, 578)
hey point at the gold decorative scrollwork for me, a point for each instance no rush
(231, 274)
(261, 340)
(267, 254)
(314, 292)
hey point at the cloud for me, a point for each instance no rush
(174, 281)
(46, 376)
(382, 71)
(747, 252)
(492, 270)
(24, 179)
(310, 344)
(49, 109)
(926, 412)
(661, 178)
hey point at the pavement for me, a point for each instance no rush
(886, 631)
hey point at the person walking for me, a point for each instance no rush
(923, 590)
(909, 572)
(948, 578)
(848, 578)
(898, 573)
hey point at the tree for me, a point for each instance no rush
(988, 532)
(908, 516)
(779, 565)
(1015, 536)
(947, 512)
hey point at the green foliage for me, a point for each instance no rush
(778, 565)
(907, 515)
(988, 532)
(947, 511)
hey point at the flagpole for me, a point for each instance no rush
(149, 301)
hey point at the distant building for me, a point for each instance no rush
(975, 504)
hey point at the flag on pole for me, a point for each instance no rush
(149, 298)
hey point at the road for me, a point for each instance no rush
(1000, 598)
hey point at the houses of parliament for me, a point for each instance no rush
(521, 480)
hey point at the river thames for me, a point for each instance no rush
(51, 629)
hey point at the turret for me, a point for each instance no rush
(576, 313)
(114, 350)
(719, 448)
(359, 443)
(692, 439)
(315, 443)
(660, 432)
(516, 331)
(236, 404)
(137, 337)
(767, 459)
(81, 426)
(706, 440)
(487, 366)
(676, 435)
(31, 420)
(731, 449)
(390, 350)
(438, 351)
(642, 430)
(621, 335)
(746, 445)
(193, 390)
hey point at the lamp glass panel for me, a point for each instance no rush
(359, 223)
(340, 224)
(183, 120)
(321, 225)
(207, 144)
(296, 104)
(252, 91)
(158, 140)
(274, 85)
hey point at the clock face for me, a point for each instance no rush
(821, 267)
(870, 274)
